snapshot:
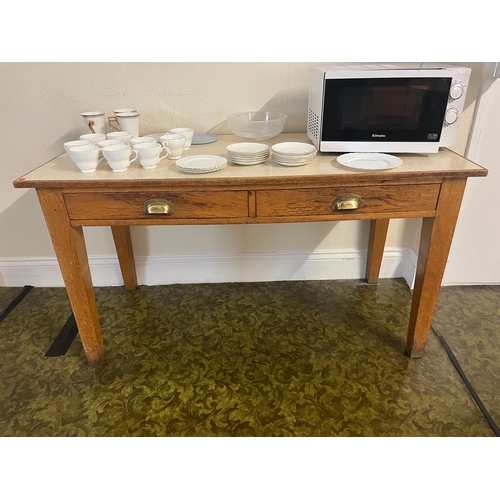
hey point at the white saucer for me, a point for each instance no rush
(200, 164)
(369, 161)
(203, 138)
(294, 164)
(291, 159)
(293, 148)
(248, 162)
(247, 148)
(250, 157)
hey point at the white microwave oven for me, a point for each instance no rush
(385, 108)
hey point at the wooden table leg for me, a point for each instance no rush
(69, 246)
(376, 243)
(123, 244)
(435, 242)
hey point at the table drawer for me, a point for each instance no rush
(318, 202)
(184, 205)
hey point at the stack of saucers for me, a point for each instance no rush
(292, 154)
(247, 153)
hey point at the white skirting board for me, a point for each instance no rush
(215, 268)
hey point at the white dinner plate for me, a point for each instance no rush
(199, 164)
(369, 161)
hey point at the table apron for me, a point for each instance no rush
(165, 221)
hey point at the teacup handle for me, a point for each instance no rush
(102, 158)
(134, 158)
(91, 124)
(168, 152)
(114, 119)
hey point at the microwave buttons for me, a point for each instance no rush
(451, 116)
(456, 90)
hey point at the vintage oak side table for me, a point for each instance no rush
(428, 186)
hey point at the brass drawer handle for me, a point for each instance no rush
(347, 202)
(158, 206)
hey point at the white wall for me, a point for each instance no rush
(475, 253)
(40, 106)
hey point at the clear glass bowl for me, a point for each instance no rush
(258, 125)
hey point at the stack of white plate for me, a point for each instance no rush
(247, 153)
(292, 154)
(201, 164)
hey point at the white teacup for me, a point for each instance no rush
(149, 154)
(74, 144)
(187, 132)
(124, 110)
(86, 158)
(93, 138)
(118, 156)
(122, 136)
(109, 142)
(95, 121)
(175, 144)
(126, 122)
(141, 140)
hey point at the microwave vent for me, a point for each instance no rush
(313, 124)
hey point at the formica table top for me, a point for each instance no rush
(61, 171)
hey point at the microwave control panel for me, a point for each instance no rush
(456, 105)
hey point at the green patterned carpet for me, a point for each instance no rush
(308, 358)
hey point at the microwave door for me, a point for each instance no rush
(384, 109)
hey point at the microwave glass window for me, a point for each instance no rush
(396, 109)
(382, 107)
